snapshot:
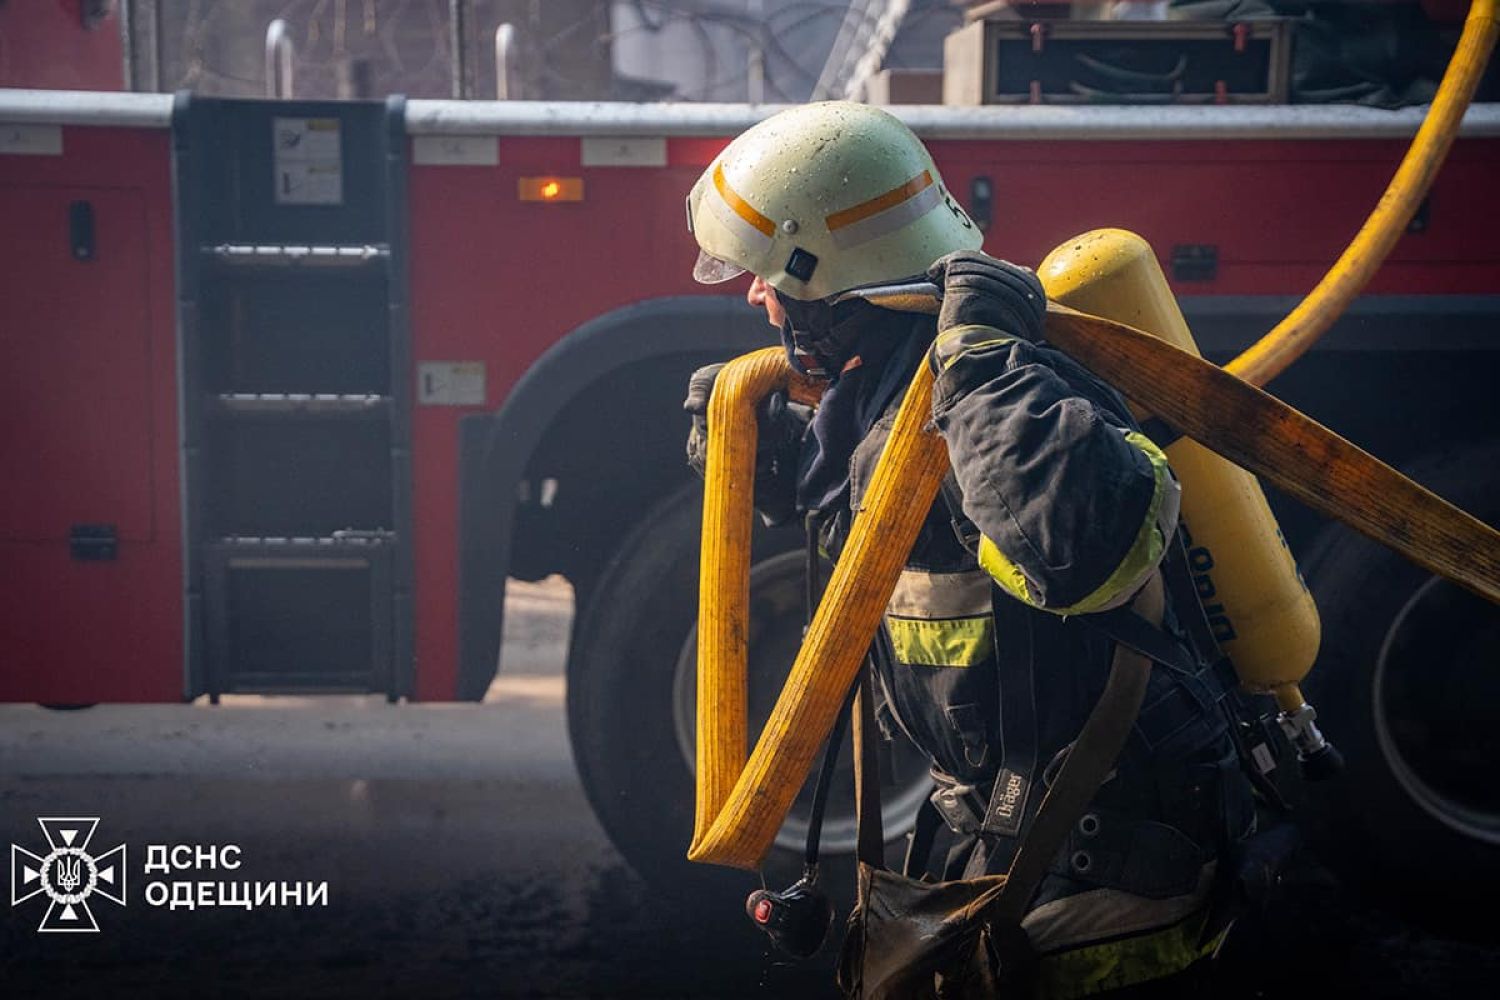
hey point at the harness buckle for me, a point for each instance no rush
(957, 803)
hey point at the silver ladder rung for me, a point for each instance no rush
(296, 254)
(300, 402)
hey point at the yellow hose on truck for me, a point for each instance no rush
(1290, 339)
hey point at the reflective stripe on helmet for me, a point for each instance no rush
(764, 203)
(884, 213)
(742, 209)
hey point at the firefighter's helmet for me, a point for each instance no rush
(823, 198)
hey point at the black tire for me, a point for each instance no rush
(625, 693)
(1406, 686)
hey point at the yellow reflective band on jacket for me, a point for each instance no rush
(1006, 573)
(942, 642)
(1113, 965)
(1144, 553)
(941, 619)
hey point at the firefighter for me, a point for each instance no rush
(1058, 508)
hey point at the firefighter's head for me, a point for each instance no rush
(820, 199)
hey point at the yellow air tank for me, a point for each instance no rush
(1258, 606)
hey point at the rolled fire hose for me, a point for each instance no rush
(741, 803)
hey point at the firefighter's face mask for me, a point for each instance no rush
(821, 337)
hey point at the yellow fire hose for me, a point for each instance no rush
(1290, 339)
(742, 803)
(1284, 446)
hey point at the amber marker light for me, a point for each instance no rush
(550, 188)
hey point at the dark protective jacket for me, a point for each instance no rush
(989, 666)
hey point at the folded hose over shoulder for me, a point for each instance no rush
(741, 804)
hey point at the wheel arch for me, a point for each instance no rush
(629, 364)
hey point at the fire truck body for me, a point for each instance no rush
(527, 274)
(99, 444)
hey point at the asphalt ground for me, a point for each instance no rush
(462, 860)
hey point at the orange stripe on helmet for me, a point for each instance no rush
(878, 204)
(741, 207)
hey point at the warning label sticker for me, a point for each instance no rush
(450, 383)
(308, 160)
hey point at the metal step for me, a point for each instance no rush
(301, 613)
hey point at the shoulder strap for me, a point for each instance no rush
(1127, 628)
(1087, 765)
(870, 838)
(1012, 797)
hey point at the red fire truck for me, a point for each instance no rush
(291, 388)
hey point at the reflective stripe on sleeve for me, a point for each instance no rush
(1144, 553)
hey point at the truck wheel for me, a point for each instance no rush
(632, 702)
(1406, 687)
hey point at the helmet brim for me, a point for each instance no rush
(710, 270)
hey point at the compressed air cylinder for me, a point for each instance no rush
(1258, 606)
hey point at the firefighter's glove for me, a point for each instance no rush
(776, 419)
(984, 300)
(779, 426)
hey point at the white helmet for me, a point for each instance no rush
(823, 198)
